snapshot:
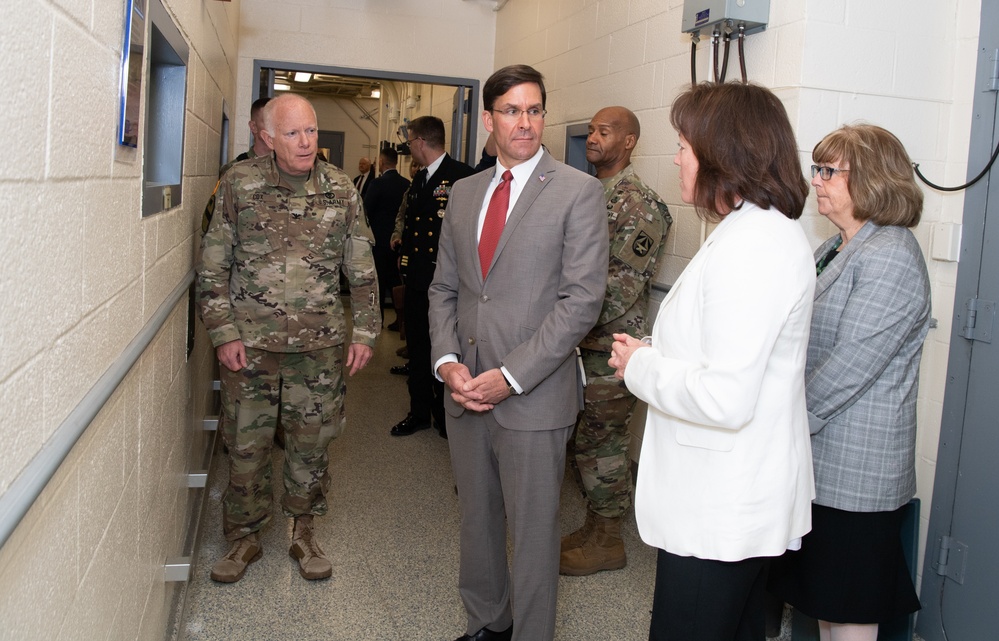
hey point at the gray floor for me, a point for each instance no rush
(392, 537)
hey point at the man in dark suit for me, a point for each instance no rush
(425, 205)
(381, 204)
(366, 176)
(521, 273)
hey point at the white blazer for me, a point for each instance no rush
(726, 466)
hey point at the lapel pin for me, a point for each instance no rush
(542, 177)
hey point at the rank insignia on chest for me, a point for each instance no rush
(642, 245)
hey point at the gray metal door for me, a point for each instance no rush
(331, 143)
(461, 122)
(960, 588)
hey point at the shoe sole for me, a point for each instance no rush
(608, 566)
(306, 575)
(227, 579)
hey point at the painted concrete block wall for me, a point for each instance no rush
(83, 274)
(360, 135)
(448, 37)
(907, 66)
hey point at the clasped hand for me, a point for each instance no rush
(478, 394)
(622, 349)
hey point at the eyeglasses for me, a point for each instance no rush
(827, 172)
(514, 114)
(410, 140)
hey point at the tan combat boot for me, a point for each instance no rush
(577, 538)
(312, 561)
(603, 550)
(231, 567)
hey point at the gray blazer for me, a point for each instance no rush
(871, 314)
(542, 295)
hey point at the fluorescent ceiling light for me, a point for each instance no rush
(302, 76)
(376, 93)
(280, 86)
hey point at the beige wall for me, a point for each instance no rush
(450, 37)
(360, 137)
(83, 273)
(907, 66)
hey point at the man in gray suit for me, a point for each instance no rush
(520, 279)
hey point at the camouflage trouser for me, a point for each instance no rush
(308, 387)
(602, 438)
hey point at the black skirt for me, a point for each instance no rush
(850, 569)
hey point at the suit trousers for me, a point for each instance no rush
(426, 393)
(508, 478)
(707, 600)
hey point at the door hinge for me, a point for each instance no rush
(979, 319)
(952, 557)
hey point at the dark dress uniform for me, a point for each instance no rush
(381, 205)
(425, 207)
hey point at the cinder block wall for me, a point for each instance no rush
(83, 272)
(907, 66)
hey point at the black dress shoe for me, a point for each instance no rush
(409, 425)
(485, 634)
(401, 370)
(394, 326)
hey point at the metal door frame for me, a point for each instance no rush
(421, 78)
(930, 625)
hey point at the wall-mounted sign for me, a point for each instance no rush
(131, 73)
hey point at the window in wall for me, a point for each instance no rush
(163, 153)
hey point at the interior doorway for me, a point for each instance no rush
(373, 108)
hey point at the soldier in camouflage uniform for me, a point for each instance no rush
(638, 222)
(258, 148)
(269, 289)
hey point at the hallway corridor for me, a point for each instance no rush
(392, 536)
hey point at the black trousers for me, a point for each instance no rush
(704, 600)
(388, 273)
(426, 393)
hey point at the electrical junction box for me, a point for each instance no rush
(705, 15)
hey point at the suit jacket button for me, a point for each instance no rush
(471, 340)
(484, 298)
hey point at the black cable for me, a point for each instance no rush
(742, 52)
(693, 61)
(714, 53)
(728, 41)
(915, 167)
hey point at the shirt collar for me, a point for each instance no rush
(432, 167)
(522, 172)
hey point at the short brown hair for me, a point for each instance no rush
(430, 128)
(745, 148)
(509, 77)
(881, 182)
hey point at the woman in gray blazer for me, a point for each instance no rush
(871, 314)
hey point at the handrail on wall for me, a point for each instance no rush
(27, 487)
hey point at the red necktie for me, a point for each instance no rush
(492, 228)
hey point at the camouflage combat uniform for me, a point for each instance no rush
(638, 222)
(206, 217)
(269, 275)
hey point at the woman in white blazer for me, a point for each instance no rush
(872, 312)
(725, 476)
